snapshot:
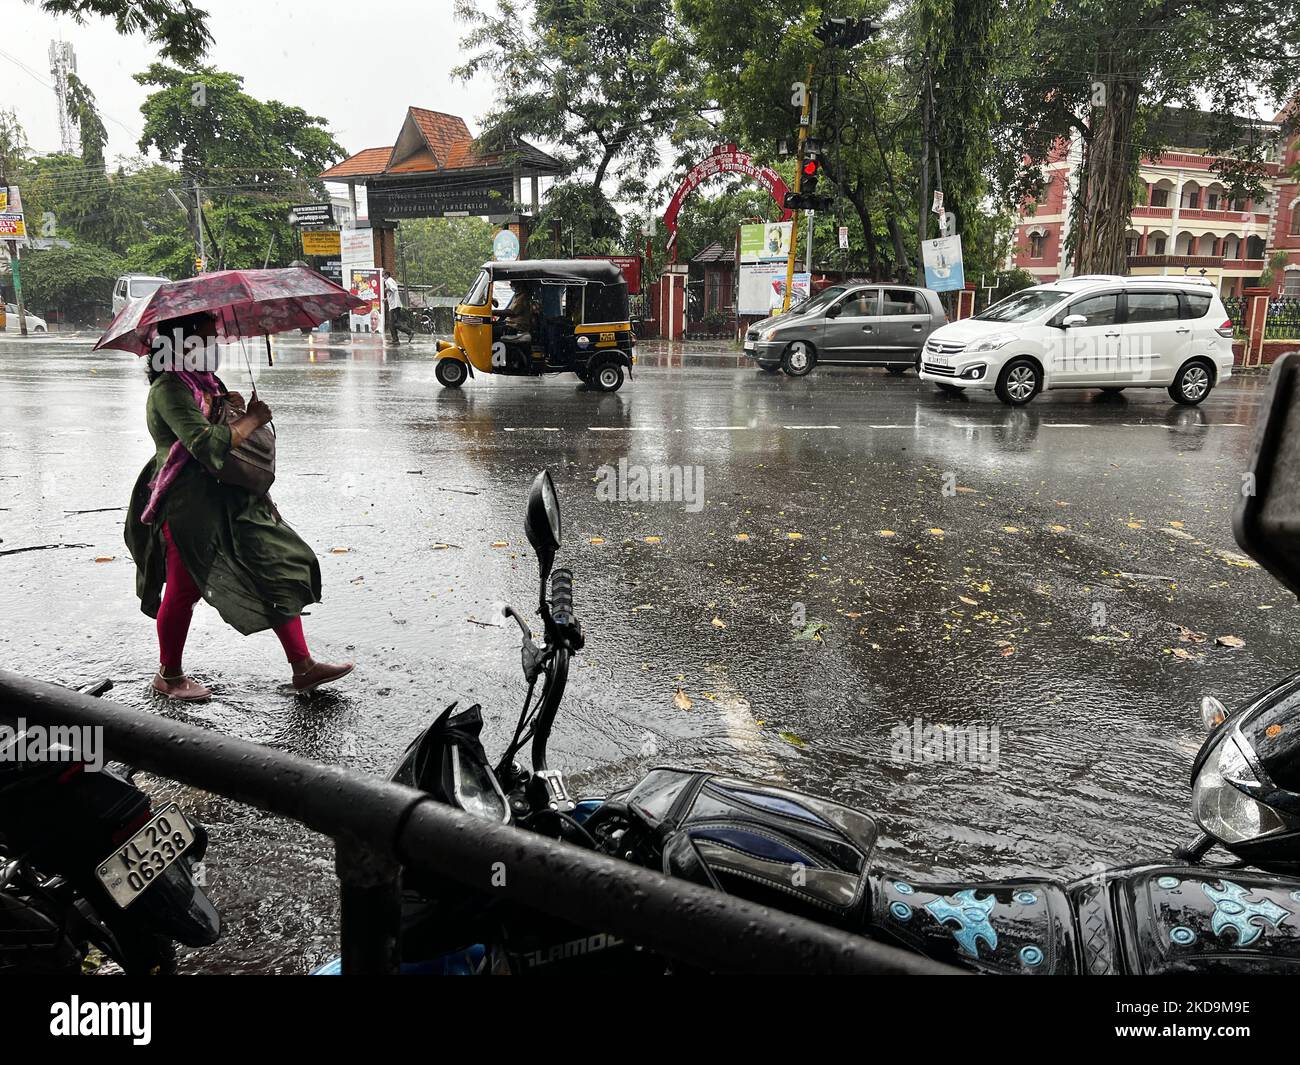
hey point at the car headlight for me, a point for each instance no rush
(1224, 811)
(769, 334)
(991, 343)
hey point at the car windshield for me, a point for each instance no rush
(1023, 305)
(145, 286)
(825, 296)
(478, 292)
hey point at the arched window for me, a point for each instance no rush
(1036, 245)
(1254, 247)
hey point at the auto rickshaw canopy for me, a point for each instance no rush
(557, 271)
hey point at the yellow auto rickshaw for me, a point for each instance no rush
(540, 316)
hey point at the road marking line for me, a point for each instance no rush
(810, 427)
(626, 429)
(724, 428)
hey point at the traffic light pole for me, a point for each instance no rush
(798, 185)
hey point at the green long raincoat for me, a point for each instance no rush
(252, 567)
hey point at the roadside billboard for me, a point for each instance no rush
(765, 242)
(943, 264)
(364, 283)
(762, 288)
(321, 242)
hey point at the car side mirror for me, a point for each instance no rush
(834, 312)
(1266, 522)
(542, 523)
(1073, 320)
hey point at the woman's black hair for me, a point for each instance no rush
(188, 324)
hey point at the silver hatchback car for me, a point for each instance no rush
(857, 323)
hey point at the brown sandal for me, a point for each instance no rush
(183, 688)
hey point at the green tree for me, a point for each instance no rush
(75, 282)
(1102, 71)
(445, 253)
(251, 159)
(178, 28)
(606, 80)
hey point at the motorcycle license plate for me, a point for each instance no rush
(130, 869)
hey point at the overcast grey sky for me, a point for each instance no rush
(359, 65)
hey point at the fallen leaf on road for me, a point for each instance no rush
(1230, 641)
(1189, 635)
(794, 536)
(596, 540)
(682, 701)
(500, 543)
(812, 631)
(652, 539)
(936, 532)
(718, 623)
(339, 550)
(886, 532)
(105, 558)
(742, 537)
(968, 602)
(790, 737)
(1010, 529)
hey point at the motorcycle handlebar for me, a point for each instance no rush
(562, 597)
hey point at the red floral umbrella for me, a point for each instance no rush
(247, 303)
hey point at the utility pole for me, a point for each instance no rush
(198, 216)
(14, 269)
(923, 185)
(804, 115)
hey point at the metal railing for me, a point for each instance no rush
(1281, 323)
(379, 827)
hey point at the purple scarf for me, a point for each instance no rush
(202, 385)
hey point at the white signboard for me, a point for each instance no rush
(844, 238)
(357, 247)
(943, 264)
(762, 288)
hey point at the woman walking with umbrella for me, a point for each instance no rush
(193, 536)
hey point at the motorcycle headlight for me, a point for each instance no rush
(991, 343)
(1224, 811)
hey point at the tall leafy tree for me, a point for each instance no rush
(251, 159)
(606, 81)
(1102, 71)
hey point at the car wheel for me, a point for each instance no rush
(799, 358)
(608, 377)
(450, 372)
(896, 371)
(1193, 383)
(1019, 382)
(39, 329)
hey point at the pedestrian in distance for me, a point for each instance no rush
(194, 537)
(396, 312)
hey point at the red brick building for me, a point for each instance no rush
(1185, 220)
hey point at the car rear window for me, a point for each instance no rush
(1196, 304)
(144, 288)
(1153, 306)
(903, 301)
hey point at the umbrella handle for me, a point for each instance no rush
(269, 360)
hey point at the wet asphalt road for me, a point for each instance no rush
(1042, 593)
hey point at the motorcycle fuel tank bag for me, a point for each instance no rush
(790, 851)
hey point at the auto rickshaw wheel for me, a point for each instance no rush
(607, 377)
(450, 372)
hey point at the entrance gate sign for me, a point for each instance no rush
(724, 159)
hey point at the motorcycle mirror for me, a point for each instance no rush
(1266, 522)
(542, 522)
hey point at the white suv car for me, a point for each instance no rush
(1101, 332)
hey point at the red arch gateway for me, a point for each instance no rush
(724, 159)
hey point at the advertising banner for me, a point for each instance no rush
(311, 214)
(629, 264)
(12, 224)
(765, 242)
(762, 288)
(943, 264)
(364, 283)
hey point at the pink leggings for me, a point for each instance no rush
(179, 596)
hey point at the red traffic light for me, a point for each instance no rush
(810, 167)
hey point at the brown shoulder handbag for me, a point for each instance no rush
(251, 465)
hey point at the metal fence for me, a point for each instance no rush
(379, 827)
(1281, 323)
